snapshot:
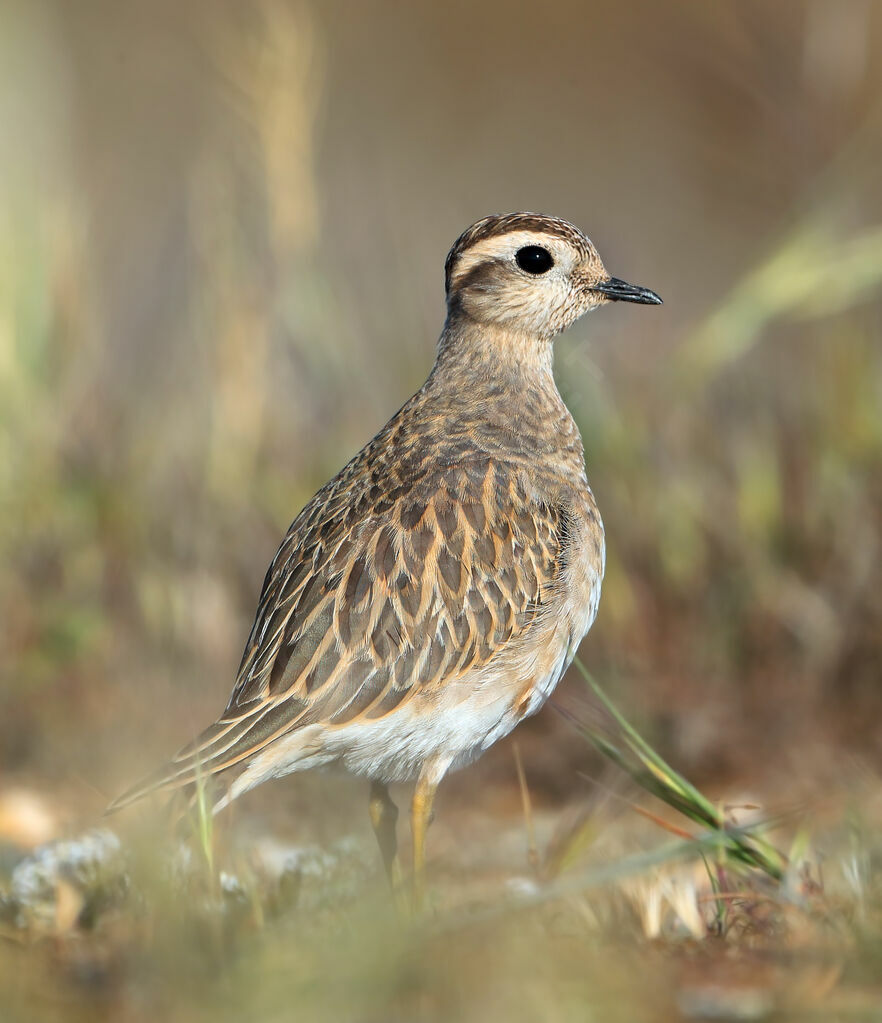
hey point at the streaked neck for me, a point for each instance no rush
(489, 352)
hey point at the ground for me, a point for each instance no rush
(605, 908)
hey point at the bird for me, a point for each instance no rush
(432, 594)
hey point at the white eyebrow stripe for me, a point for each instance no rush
(501, 246)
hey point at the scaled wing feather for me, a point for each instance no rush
(377, 596)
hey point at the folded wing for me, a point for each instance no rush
(377, 596)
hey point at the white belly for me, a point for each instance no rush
(452, 731)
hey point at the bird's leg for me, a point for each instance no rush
(384, 817)
(420, 819)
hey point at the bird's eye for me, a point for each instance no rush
(534, 259)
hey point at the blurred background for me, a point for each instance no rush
(222, 232)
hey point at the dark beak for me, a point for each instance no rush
(621, 291)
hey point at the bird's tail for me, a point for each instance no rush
(208, 754)
(236, 737)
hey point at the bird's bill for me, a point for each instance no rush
(620, 291)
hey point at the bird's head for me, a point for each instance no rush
(531, 274)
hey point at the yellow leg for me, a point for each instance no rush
(420, 819)
(384, 817)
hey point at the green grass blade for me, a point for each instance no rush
(634, 755)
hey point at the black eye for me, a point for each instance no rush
(534, 259)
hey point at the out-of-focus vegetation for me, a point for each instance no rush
(222, 229)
